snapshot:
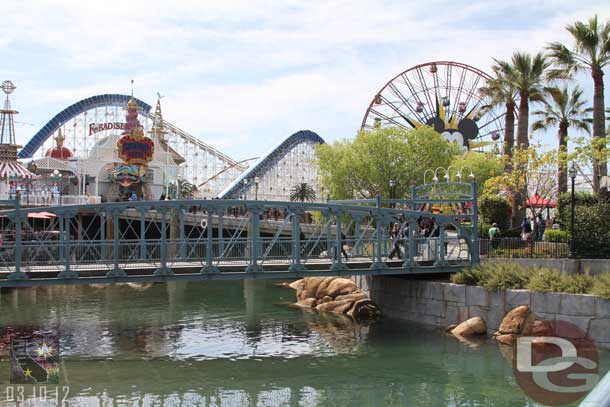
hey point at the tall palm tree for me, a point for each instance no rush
(302, 192)
(590, 52)
(568, 109)
(529, 76)
(500, 92)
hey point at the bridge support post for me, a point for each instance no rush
(163, 270)
(378, 263)
(142, 234)
(338, 265)
(221, 242)
(182, 243)
(209, 250)
(253, 267)
(18, 219)
(296, 243)
(67, 272)
(440, 246)
(474, 221)
(412, 242)
(116, 271)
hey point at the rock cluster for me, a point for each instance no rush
(517, 322)
(334, 294)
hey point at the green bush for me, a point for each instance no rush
(495, 209)
(580, 199)
(549, 280)
(592, 231)
(467, 276)
(511, 276)
(505, 277)
(555, 235)
(601, 286)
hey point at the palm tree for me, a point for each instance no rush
(302, 192)
(500, 92)
(528, 75)
(568, 109)
(591, 52)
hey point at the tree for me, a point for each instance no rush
(566, 110)
(182, 189)
(302, 192)
(531, 173)
(499, 92)
(590, 52)
(528, 75)
(482, 165)
(364, 166)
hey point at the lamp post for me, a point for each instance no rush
(245, 181)
(572, 172)
(392, 191)
(256, 182)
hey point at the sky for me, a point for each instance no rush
(244, 75)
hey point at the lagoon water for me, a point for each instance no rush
(238, 344)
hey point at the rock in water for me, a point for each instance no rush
(472, 326)
(334, 294)
(514, 320)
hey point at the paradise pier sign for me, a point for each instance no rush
(97, 127)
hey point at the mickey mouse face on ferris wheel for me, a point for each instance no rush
(461, 135)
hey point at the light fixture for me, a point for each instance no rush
(245, 181)
(256, 180)
(572, 172)
(435, 179)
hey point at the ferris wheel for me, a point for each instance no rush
(444, 95)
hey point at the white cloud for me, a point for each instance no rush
(242, 74)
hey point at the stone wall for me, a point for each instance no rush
(570, 266)
(442, 304)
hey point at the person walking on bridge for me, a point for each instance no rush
(395, 235)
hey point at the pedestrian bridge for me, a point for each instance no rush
(192, 240)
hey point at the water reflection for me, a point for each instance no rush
(234, 344)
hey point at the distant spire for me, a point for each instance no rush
(7, 124)
(131, 118)
(158, 129)
(59, 140)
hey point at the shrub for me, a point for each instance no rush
(592, 231)
(495, 209)
(601, 286)
(555, 235)
(468, 276)
(549, 280)
(508, 276)
(493, 276)
(580, 199)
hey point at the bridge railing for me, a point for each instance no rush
(163, 238)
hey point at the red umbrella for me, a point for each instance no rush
(536, 201)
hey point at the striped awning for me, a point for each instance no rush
(13, 169)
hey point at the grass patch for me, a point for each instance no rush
(512, 276)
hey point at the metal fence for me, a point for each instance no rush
(508, 247)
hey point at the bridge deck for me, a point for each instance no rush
(229, 270)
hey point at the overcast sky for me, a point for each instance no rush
(243, 75)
